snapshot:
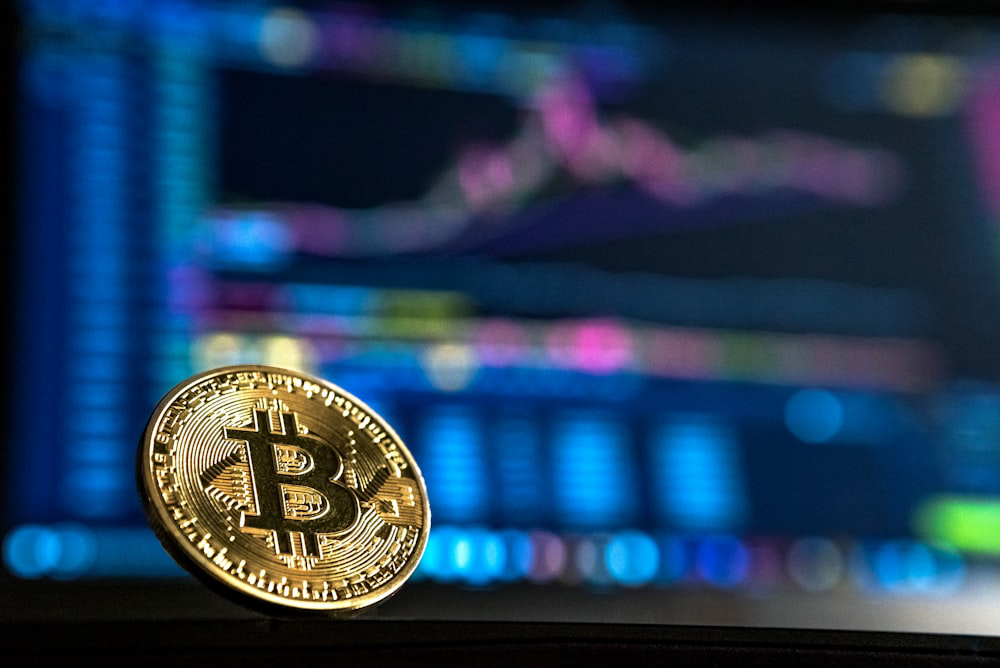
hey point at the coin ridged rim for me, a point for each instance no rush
(191, 559)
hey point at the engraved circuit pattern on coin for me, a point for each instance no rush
(283, 487)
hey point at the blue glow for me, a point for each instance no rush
(441, 564)
(94, 350)
(29, 551)
(185, 29)
(101, 486)
(519, 464)
(461, 555)
(96, 313)
(102, 217)
(78, 549)
(98, 395)
(335, 299)
(480, 56)
(951, 570)
(93, 449)
(494, 555)
(239, 27)
(453, 466)
(46, 75)
(593, 471)
(674, 560)
(91, 213)
(102, 368)
(632, 558)
(97, 271)
(93, 274)
(101, 144)
(889, 566)
(697, 478)
(519, 556)
(47, 550)
(47, 10)
(922, 568)
(130, 553)
(475, 556)
(905, 567)
(814, 416)
(62, 552)
(480, 556)
(98, 422)
(722, 561)
(110, 293)
(108, 11)
(255, 240)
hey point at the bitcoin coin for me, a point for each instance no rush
(282, 490)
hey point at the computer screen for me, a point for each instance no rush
(678, 305)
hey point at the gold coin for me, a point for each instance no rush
(282, 490)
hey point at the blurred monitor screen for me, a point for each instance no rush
(664, 304)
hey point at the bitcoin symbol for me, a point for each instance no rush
(289, 471)
(331, 518)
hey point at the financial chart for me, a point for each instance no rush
(657, 302)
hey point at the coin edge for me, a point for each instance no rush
(185, 554)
